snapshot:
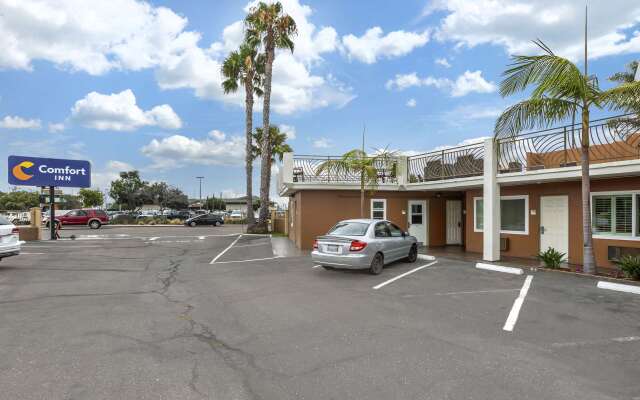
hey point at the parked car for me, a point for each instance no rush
(205, 219)
(9, 239)
(179, 215)
(148, 214)
(236, 215)
(364, 244)
(94, 219)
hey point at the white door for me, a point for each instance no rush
(554, 223)
(418, 220)
(454, 222)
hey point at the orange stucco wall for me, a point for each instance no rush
(315, 211)
(528, 245)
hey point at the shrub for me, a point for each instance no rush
(630, 266)
(551, 258)
(152, 222)
(140, 222)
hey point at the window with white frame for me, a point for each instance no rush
(378, 208)
(613, 214)
(514, 212)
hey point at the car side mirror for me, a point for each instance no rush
(405, 234)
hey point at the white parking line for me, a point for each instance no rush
(200, 237)
(30, 254)
(317, 266)
(499, 268)
(626, 339)
(252, 245)
(402, 275)
(619, 287)
(477, 292)
(517, 304)
(225, 250)
(253, 259)
(154, 238)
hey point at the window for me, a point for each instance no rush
(416, 214)
(395, 231)
(612, 214)
(514, 211)
(378, 208)
(382, 230)
(349, 229)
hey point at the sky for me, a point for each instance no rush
(130, 84)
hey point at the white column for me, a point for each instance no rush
(491, 196)
(402, 170)
(287, 168)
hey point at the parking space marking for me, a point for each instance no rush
(200, 237)
(618, 287)
(154, 238)
(252, 245)
(30, 254)
(385, 283)
(253, 259)
(625, 339)
(317, 266)
(499, 268)
(517, 305)
(225, 250)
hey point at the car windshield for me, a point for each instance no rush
(349, 229)
(4, 221)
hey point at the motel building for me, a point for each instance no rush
(505, 197)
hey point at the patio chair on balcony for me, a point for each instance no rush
(298, 174)
(433, 170)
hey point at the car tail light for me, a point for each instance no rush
(357, 245)
(315, 245)
(15, 231)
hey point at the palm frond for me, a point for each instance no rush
(625, 97)
(533, 113)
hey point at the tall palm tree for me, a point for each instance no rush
(627, 76)
(245, 67)
(268, 25)
(357, 162)
(277, 142)
(559, 91)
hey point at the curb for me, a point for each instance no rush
(426, 257)
(619, 287)
(499, 268)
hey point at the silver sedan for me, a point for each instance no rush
(362, 244)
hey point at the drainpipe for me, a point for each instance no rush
(491, 203)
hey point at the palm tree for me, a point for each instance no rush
(357, 162)
(627, 76)
(267, 24)
(277, 143)
(245, 67)
(559, 91)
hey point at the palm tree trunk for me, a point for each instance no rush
(248, 86)
(588, 261)
(265, 167)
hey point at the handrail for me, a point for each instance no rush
(306, 167)
(454, 162)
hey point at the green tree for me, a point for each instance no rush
(560, 90)
(215, 203)
(266, 24)
(176, 199)
(91, 198)
(245, 67)
(19, 200)
(627, 76)
(277, 143)
(359, 163)
(128, 190)
(70, 202)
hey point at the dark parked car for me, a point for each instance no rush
(205, 219)
(179, 215)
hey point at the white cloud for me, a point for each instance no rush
(476, 112)
(294, 88)
(613, 25)
(178, 150)
(465, 142)
(374, 45)
(103, 177)
(15, 122)
(217, 135)
(468, 82)
(119, 112)
(56, 127)
(90, 36)
(288, 130)
(471, 82)
(322, 143)
(443, 62)
(412, 103)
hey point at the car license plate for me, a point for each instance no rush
(332, 248)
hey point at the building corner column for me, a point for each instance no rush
(491, 203)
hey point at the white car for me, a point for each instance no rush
(9, 241)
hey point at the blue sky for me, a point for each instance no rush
(132, 84)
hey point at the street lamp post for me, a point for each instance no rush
(200, 178)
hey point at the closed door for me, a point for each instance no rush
(454, 222)
(554, 223)
(418, 220)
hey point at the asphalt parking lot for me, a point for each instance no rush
(204, 313)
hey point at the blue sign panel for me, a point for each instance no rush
(34, 171)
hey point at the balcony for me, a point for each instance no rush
(548, 155)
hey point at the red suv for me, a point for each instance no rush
(92, 218)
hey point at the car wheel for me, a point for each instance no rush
(377, 264)
(192, 224)
(413, 254)
(217, 223)
(94, 224)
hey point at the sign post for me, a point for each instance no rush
(51, 172)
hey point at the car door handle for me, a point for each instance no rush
(542, 230)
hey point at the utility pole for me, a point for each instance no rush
(364, 128)
(200, 178)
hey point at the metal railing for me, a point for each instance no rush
(453, 162)
(306, 167)
(611, 139)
